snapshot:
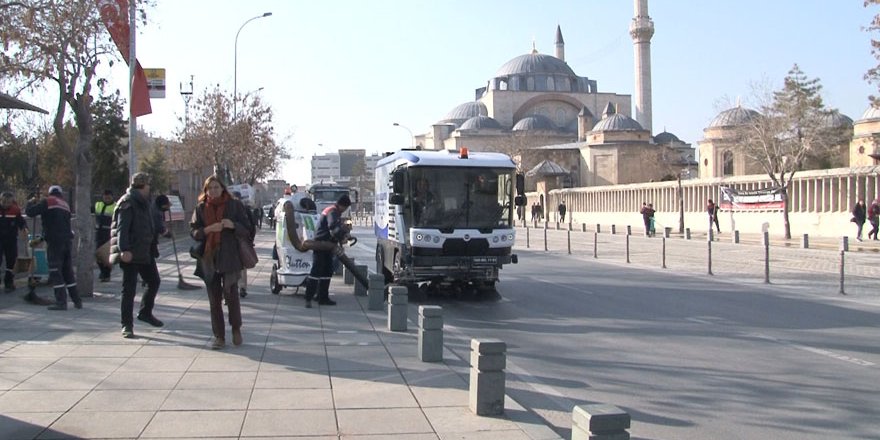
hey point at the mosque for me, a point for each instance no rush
(555, 123)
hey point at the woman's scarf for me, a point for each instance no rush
(214, 210)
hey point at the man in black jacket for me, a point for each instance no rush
(133, 245)
(330, 228)
(55, 214)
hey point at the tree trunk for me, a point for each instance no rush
(785, 221)
(84, 225)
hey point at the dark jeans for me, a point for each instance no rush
(150, 274)
(10, 254)
(319, 277)
(217, 292)
(61, 275)
(875, 225)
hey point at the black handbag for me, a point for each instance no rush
(197, 250)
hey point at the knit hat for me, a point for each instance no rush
(55, 189)
(139, 180)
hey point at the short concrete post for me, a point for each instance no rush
(596, 244)
(486, 392)
(359, 289)
(598, 228)
(710, 235)
(805, 241)
(571, 226)
(430, 333)
(629, 230)
(347, 275)
(765, 240)
(398, 303)
(736, 237)
(667, 232)
(527, 238)
(599, 422)
(583, 227)
(557, 226)
(613, 229)
(376, 292)
(687, 233)
(627, 248)
(844, 244)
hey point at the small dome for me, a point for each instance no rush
(480, 122)
(838, 120)
(666, 138)
(464, 112)
(534, 122)
(733, 117)
(871, 113)
(534, 63)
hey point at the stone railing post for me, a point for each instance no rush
(430, 333)
(359, 289)
(599, 422)
(486, 392)
(376, 292)
(398, 303)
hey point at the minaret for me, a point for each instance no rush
(560, 45)
(642, 29)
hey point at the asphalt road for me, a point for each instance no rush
(689, 356)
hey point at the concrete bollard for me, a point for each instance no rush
(599, 422)
(347, 275)
(667, 232)
(398, 303)
(430, 333)
(613, 229)
(598, 228)
(376, 292)
(687, 233)
(583, 227)
(844, 244)
(629, 230)
(711, 235)
(736, 237)
(486, 392)
(805, 241)
(359, 289)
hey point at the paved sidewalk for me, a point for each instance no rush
(321, 373)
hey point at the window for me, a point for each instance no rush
(551, 85)
(727, 163)
(530, 83)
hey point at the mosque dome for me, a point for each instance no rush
(613, 121)
(480, 122)
(871, 113)
(463, 112)
(534, 63)
(666, 138)
(534, 122)
(838, 120)
(733, 117)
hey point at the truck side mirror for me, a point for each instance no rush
(519, 201)
(397, 183)
(396, 199)
(520, 184)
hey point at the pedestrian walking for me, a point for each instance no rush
(103, 220)
(220, 221)
(874, 218)
(134, 245)
(258, 216)
(242, 282)
(55, 217)
(561, 209)
(859, 215)
(712, 210)
(12, 225)
(330, 228)
(647, 212)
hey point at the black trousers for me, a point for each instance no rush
(150, 274)
(10, 254)
(319, 277)
(61, 276)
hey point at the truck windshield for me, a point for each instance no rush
(451, 198)
(329, 195)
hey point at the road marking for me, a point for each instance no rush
(815, 350)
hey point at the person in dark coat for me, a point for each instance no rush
(55, 214)
(133, 244)
(712, 210)
(561, 209)
(330, 228)
(220, 222)
(859, 215)
(874, 218)
(12, 225)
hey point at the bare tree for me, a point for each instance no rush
(792, 125)
(245, 144)
(873, 74)
(62, 42)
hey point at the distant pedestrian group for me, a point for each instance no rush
(647, 212)
(861, 214)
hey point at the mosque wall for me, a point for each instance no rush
(820, 202)
(504, 106)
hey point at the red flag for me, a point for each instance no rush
(114, 13)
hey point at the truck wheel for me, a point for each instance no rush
(274, 286)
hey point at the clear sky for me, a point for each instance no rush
(339, 73)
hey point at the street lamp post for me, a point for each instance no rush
(411, 137)
(235, 65)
